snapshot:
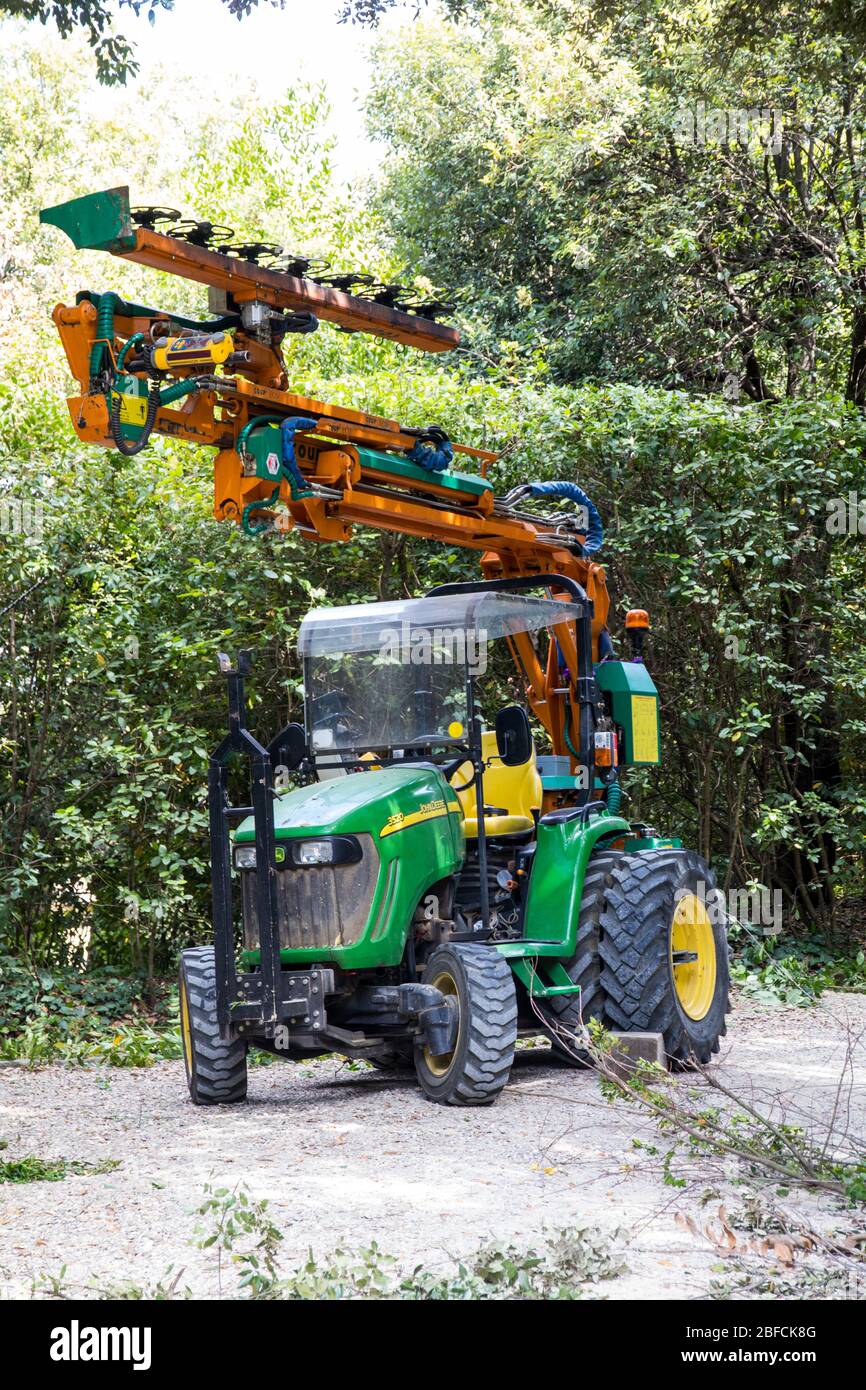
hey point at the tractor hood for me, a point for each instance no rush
(380, 803)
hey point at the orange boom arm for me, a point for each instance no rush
(286, 461)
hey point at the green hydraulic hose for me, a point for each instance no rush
(131, 311)
(246, 525)
(253, 425)
(178, 390)
(105, 307)
(125, 350)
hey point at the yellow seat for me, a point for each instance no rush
(513, 792)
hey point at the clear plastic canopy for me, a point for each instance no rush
(376, 627)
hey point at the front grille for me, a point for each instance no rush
(317, 907)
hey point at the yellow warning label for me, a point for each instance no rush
(133, 410)
(645, 728)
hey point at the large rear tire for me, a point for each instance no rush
(479, 986)
(216, 1070)
(652, 955)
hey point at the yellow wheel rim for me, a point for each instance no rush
(693, 956)
(440, 1066)
(184, 1026)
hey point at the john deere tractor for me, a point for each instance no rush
(415, 888)
(410, 902)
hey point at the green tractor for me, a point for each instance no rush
(429, 890)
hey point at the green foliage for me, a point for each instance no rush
(111, 614)
(33, 1169)
(750, 1132)
(792, 972)
(167, 1288)
(598, 179)
(84, 1019)
(231, 1216)
(25, 993)
(715, 520)
(242, 1228)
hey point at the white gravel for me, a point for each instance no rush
(349, 1156)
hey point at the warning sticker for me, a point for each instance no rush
(645, 728)
(133, 410)
(272, 464)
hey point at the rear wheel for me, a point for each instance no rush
(216, 1070)
(653, 956)
(479, 986)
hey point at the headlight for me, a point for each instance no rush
(304, 854)
(313, 852)
(245, 856)
(336, 849)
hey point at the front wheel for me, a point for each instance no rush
(216, 1070)
(478, 985)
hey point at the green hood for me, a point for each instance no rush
(380, 803)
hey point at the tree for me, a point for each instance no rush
(369, 12)
(655, 199)
(115, 57)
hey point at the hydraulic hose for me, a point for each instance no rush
(254, 424)
(566, 729)
(156, 398)
(246, 525)
(130, 343)
(130, 447)
(295, 478)
(613, 797)
(106, 304)
(128, 310)
(433, 450)
(595, 531)
(297, 481)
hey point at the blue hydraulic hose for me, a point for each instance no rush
(426, 455)
(434, 453)
(297, 481)
(595, 529)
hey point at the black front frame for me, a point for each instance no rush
(259, 1003)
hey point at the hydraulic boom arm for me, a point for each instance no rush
(286, 461)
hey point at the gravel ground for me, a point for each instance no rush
(348, 1156)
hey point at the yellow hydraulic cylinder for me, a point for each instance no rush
(201, 350)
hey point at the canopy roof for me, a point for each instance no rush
(371, 627)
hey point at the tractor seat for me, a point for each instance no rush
(511, 794)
